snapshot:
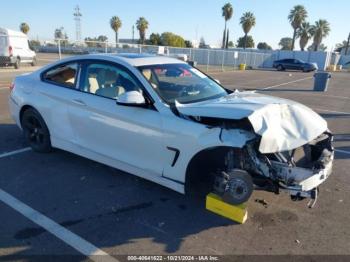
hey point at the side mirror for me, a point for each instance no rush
(131, 98)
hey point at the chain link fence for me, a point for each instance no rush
(205, 59)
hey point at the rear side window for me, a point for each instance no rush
(65, 75)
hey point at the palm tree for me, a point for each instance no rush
(247, 22)
(24, 27)
(320, 30)
(227, 13)
(142, 26)
(116, 24)
(296, 17)
(304, 32)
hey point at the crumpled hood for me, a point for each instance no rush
(282, 124)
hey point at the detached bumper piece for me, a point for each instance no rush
(237, 213)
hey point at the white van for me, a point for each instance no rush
(14, 49)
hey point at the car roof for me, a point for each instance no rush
(9, 32)
(133, 59)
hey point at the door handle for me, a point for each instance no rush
(78, 102)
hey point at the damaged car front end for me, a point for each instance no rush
(287, 146)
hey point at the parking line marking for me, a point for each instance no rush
(15, 152)
(332, 111)
(57, 230)
(342, 151)
(283, 84)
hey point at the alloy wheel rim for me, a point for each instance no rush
(35, 131)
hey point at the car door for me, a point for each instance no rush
(129, 134)
(58, 85)
(297, 64)
(288, 64)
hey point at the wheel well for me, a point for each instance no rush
(200, 170)
(23, 109)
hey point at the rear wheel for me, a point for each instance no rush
(280, 68)
(35, 131)
(34, 62)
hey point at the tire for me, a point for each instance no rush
(17, 64)
(239, 187)
(280, 68)
(35, 131)
(34, 62)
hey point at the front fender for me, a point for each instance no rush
(209, 138)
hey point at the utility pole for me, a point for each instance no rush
(347, 45)
(77, 17)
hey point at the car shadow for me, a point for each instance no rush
(103, 205)
(11, 138)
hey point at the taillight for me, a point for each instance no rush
(12, 86)
(10, 51)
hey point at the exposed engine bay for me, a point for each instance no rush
(298, 171)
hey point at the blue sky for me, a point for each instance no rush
(184, 17)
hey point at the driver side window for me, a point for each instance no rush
(108, 80)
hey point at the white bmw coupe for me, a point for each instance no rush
(161, 119)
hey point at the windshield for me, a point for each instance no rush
(181, 82)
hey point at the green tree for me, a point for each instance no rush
(246, 42)
(170, 39)
(116, 24)
(321, 47)
(304, 33)
(24, 27)
(319, 31)
(285, 43)
(61, 36)
(264, 46)
(227, 13)
(154, 39)
(296, 17)
(231, 44)
(188, 44)
(34, 44)
(142, 26)
(247, 21)
(202, 43)
(96, 41)
(102, 38)
(340, 46)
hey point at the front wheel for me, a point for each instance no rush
(17, 63)
(235, 186)
(35, 131)
(280, 68)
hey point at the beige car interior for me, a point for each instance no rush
(147, 73)
(103, 83)
(66, 76)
